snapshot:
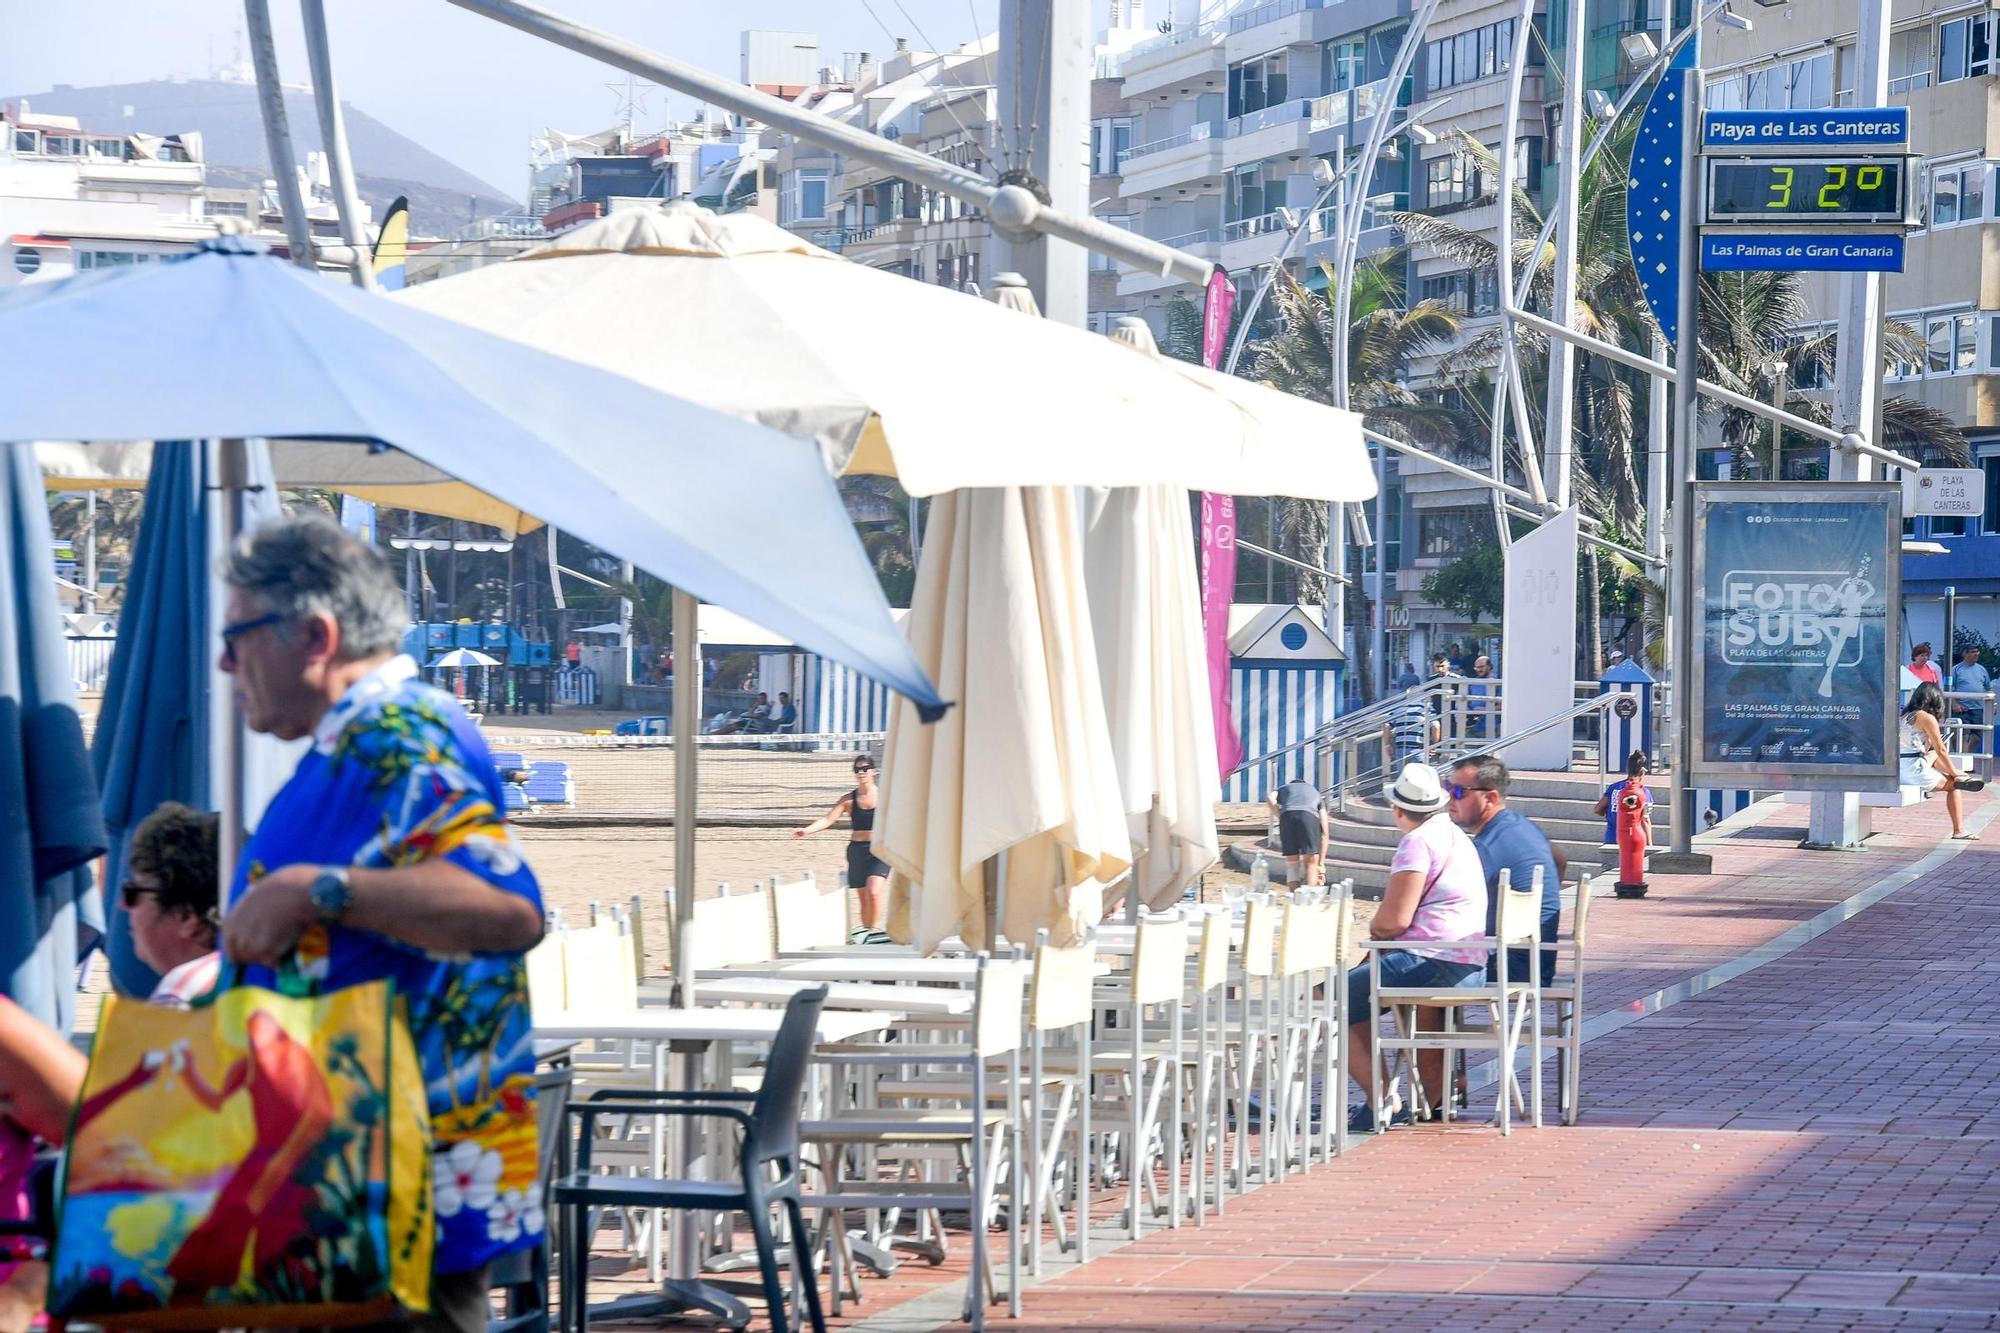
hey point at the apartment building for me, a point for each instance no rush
(1944, 67)
(72, 199)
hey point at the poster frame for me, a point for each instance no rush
(1764, 774)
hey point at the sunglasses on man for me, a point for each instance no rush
(1459, 793)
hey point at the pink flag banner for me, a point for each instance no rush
(1218, 546)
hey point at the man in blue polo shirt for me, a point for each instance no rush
(1506, 840)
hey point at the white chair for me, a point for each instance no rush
(804, 920)
(1150, 1071)
(1514, 1003)
(1565, 994)
(1253, 1064)
(1312, 942)
(1207, 1090)
(985, 1137)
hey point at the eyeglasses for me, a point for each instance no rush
(130, 894)
(231, 633)
(1459, 793)
(864, 768)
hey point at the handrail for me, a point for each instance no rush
(1344, 733)
(1195, 133)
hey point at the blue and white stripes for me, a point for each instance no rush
(1278, 704)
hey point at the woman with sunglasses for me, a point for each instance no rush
(169, 892)
(867, 873)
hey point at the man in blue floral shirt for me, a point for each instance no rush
(386, 857)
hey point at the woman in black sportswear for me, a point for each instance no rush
(867, 873)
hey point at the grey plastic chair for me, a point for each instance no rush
(768, 1162)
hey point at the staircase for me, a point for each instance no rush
(1364, 835)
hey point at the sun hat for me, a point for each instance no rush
(1417, 790)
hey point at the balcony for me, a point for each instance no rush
(901, 231)
(1378, 229)
(1192, 154)
(1249, 242)
(1268, 26)
(1351, 107)
(1187, 57)
(1203, 243)
(1275, 131)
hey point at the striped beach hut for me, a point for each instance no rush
(1285, 678)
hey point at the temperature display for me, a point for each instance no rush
(1807, 189)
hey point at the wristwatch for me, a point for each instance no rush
(331, 892)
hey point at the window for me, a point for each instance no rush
(1442, 534)
(1390, 550)
(1342, 64)
(1109, 141)
(1468, 292)
(1989, 522)
(1450, 182)
(1256, 84)
(1959, 193)
(1468, 56)
(1952, 344)
(1909, 59)
(1941, 526)
(1965, 48)
(110, 258)
(27, 141)
(1255, 190)
(228, 208)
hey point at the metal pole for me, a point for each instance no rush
(225, 468)
(1380, 629)
(687, 716)
(626, 575)
(333, 137)
(1371, 150)
(1561, 404)
(1043, 86)
(1778, 393)
(1949, 653)
(1687, 418)
(278, 132)
(1012, 208)
(1835, 818)
(90, 551)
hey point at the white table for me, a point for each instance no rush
(691, 1029)
(908, 1001)
(936, 971)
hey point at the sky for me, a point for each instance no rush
(463, 86)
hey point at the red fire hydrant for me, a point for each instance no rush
(1634, 833)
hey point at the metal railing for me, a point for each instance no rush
(1271, 13)
(1205, 236)
(1349, 106)
(1195, 133)
(1288, 112)
(1348, 757)
(1167, 41)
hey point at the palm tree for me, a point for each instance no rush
(1385, 335)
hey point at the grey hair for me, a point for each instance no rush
(308, 566)
(1489, 772)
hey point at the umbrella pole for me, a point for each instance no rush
(226, 471)
(687, 715)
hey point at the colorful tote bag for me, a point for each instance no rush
(259, 1160)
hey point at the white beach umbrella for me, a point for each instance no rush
(1145, 608)
(894, 377)
(1024, 766)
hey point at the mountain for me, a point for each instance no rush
(442, 197)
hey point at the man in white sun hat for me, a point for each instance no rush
(1437, 891)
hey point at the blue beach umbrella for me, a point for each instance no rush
(50, 826)
(230, 343)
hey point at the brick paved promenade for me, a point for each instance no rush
(1791, 1121)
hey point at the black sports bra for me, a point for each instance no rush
(863, 819)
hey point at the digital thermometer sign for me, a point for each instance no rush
(1830, 190)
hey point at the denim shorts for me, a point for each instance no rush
(1403, 968)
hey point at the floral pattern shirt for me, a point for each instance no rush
(397, 774)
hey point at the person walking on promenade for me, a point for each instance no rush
(387, 856)
(1437, 891)
(1927, 759)
(867, 873)
(1302, 830)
